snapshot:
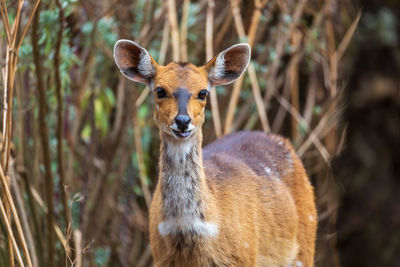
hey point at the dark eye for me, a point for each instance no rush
(161, 92)
(202, 95)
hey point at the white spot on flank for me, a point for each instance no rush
(268, 170)
(186, 225)
(311, 217)
(246, 245)
(280, 143)
(299, 264)
(271, 173)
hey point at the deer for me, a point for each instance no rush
(243, 200)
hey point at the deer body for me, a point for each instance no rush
(244, 200)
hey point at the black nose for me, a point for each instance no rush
(182, 121)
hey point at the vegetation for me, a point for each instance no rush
(79, 148)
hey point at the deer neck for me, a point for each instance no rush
(184, 190)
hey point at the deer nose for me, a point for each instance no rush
(182, 121)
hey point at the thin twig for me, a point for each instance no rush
(55, 227)
(164, 43)
(60, 119)
(347, 37)
(16, 217)
(300, 120)
(183, 30)
(44, 139)
(141, 164)
(174, 29)
(209, 54)
(19, 201)
(5, 23)
(10, 233)
(25, 30)
(252, 72)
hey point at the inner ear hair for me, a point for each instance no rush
(229, 65)
(134, 61)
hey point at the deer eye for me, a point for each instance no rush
(202, 95)
(161, 92)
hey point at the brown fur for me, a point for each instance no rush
(269, 212)
(178, 75)
(245, 200)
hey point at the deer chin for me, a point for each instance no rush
(182, 135)
(179, 134)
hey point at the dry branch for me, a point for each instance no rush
(209, 54)
(10, 233)
(252, 72)
(16, 216)
(44, 137)
(173, 21)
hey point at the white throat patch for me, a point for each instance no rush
(188, 225)
(183, 205)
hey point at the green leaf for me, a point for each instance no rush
(86, 132)
(101, 256)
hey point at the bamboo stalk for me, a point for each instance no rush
(347, 37)
(281, 114)
(164, 43)
(324, 124)
(183, 30)
(24, 218)
(283, 38)
(146, 256)
(300, 120)
(141, 164)
(174, 29)
(119, 106)
(33, 217)
(291, 87)
(257, 96)
(232, 105)
(251, 70)
(44, 140)
(163, 51)
(10, 233)
(8, 79)
(57, 230)
(15, 26)
(25, 30)
(294, 85)
(139, 154)
(209, 54)
(223, 29)
(78, 247)
(16, 217)
(60, 122)
(5, 21)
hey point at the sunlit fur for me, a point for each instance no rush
(170, 78)
(244, 200)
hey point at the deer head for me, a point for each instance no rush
(180, 89)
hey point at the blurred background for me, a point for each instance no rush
(79, 148)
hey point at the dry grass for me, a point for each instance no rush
(291, 87)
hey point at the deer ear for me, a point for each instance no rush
(229, 64)
(134, 61)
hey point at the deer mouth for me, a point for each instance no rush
(182, 134)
